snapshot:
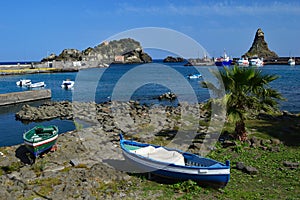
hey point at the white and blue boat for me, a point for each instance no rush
(194, 76)
(223, 60)
(174, 164)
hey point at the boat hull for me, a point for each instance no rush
(37, 85)
(67, 84)
(23, 82)
(216, 176)
(40, 139)
(223, 63)
(37, 149)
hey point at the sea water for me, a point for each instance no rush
(99, 84)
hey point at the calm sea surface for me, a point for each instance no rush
(121, 82)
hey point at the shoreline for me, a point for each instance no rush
(63, 66)
(88, 161)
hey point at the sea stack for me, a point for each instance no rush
(260, 47)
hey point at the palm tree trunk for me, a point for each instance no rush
(240, 130)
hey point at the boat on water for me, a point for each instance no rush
(200, 62)
(243, 62)
(23, 82)
(174, 164)
(67, 84)
(37, 85)
(194, 76)
(40, 139)
(292, 62)
(255, 61)
(223, 60)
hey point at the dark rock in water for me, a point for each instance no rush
(167, 96)
(173, 59)
(260, 47)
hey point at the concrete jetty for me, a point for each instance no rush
(19, 97)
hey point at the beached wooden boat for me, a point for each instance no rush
(175, 164)
(40, 139)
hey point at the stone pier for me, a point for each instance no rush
(19, 97)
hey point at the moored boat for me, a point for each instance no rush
(255, 61)
(223, 60)
(292, 62)
(40, 139)
(175, 164)
(67, 84)
(37, 85)
(243, 62)
(194, 76)
(23, 82)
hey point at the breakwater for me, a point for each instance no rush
(19, 97)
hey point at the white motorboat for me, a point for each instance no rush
(67, 84)
(37, 85)
(243, 62)
(194, 76)
(292, 62)
(23, 82)
(255, 61)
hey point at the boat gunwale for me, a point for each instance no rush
(222, 167)
(53, 134)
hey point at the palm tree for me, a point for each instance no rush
(247, 90)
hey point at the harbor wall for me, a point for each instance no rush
(19, 97)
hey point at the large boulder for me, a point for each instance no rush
(260, 47)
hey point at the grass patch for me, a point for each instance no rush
(15, 166)
(274, 180)
(45, 185)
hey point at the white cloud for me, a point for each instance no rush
(222, 9)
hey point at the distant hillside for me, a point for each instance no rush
(116, 51)
(260, 47)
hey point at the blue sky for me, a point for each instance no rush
(35, 28)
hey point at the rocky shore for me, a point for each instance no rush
(87, 158)
(88, 162)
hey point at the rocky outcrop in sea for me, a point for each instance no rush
(260, 47)
(171, 59)
(116, 51)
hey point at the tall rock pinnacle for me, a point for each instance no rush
(260, 47)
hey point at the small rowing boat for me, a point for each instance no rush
(40, 139)
(175, 164)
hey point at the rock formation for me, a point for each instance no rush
(173, 59)
(136, 56)
(260, 47)
(119, 51)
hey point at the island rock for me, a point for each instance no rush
(116, 51)
(173, 59)
(260, 47)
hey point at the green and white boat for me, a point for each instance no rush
(40, 139)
